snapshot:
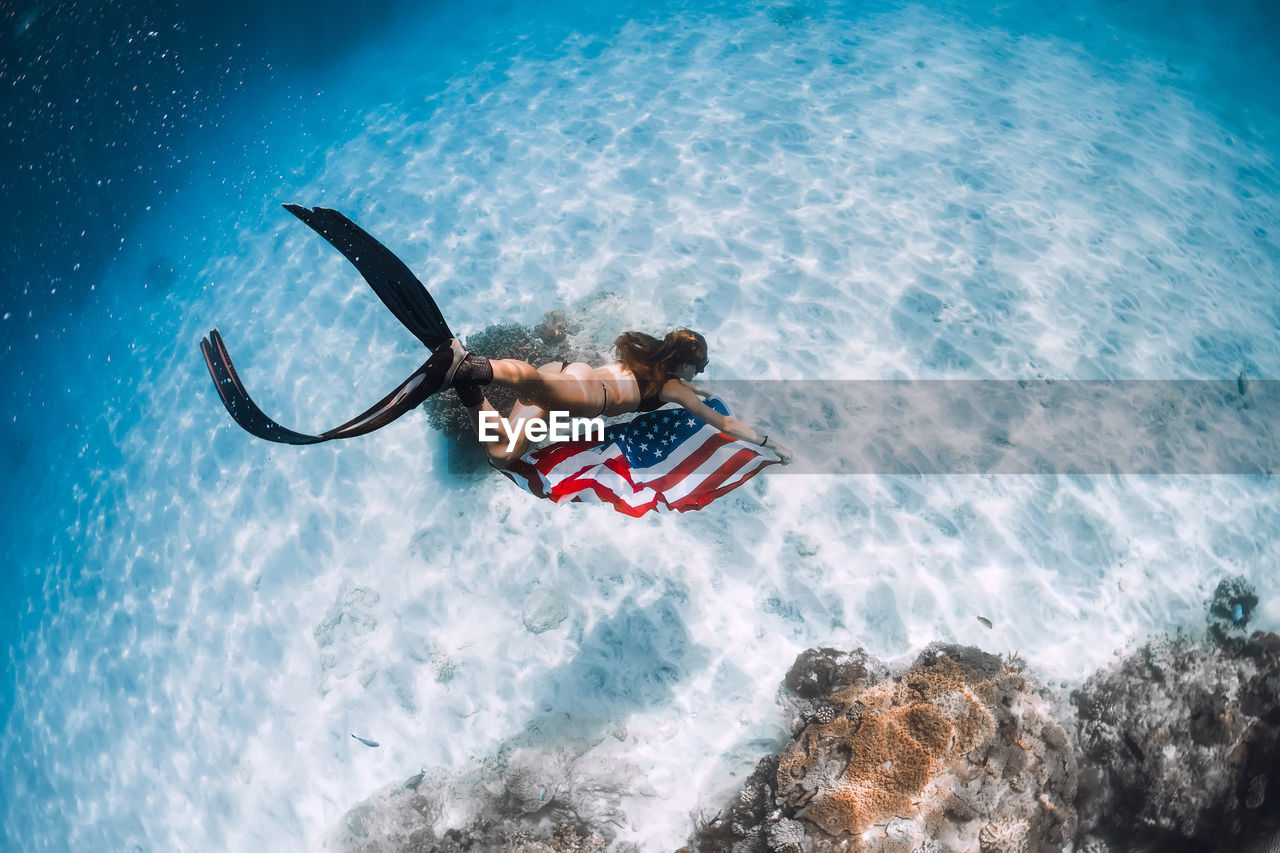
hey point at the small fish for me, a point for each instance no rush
(1237, 614)
(364, 741)
(1242, 384)
(985, 621)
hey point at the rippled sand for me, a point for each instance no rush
(903, 194)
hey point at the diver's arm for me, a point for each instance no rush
(701, 392)
(675, 391)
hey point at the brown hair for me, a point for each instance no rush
(653, 360)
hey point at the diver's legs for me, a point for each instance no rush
(516, 373)
(561, 388)
(499, 454)
(552, 387)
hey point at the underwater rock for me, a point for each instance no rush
(556, 327)
(786, 16)
(349, 618)
(543, 610)
(340, 636)
(1230, 610)
(957, 753)
(1180, 741)
(819, 673)
(785, 836)
(520, 801)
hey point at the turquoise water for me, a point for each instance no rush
(196, 621)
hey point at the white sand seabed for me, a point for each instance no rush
(895, 196)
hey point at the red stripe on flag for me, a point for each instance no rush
(713, 487)
(691, 462)
(552, 455)
(590, 471)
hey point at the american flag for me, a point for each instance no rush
(665, 460)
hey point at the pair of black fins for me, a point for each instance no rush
(398, 289)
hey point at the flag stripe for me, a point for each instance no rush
(703, 497)
(666, 460)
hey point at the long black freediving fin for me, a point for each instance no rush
(243, 410)
(399, 290)
(395, 284)
(422, 383)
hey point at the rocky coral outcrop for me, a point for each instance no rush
(1177, 748)
(524, 801)
(1180, 741)
(556, 327)
(957, 753)
(1230, 611)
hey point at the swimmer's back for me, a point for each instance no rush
(622, 391)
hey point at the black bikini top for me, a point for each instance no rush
(649, 404)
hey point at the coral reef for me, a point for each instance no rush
(556, 327)
(820, 673)
(957, 753)
(1230, 610)
(522, 801)
(1180, 741)
(1177, 748)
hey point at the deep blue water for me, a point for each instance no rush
(136, 134)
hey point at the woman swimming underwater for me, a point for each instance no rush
(648, 374)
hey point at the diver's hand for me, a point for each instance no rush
(784, 454)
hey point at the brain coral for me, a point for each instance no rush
(870, 763)
(959, 752)
(1007, 835)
